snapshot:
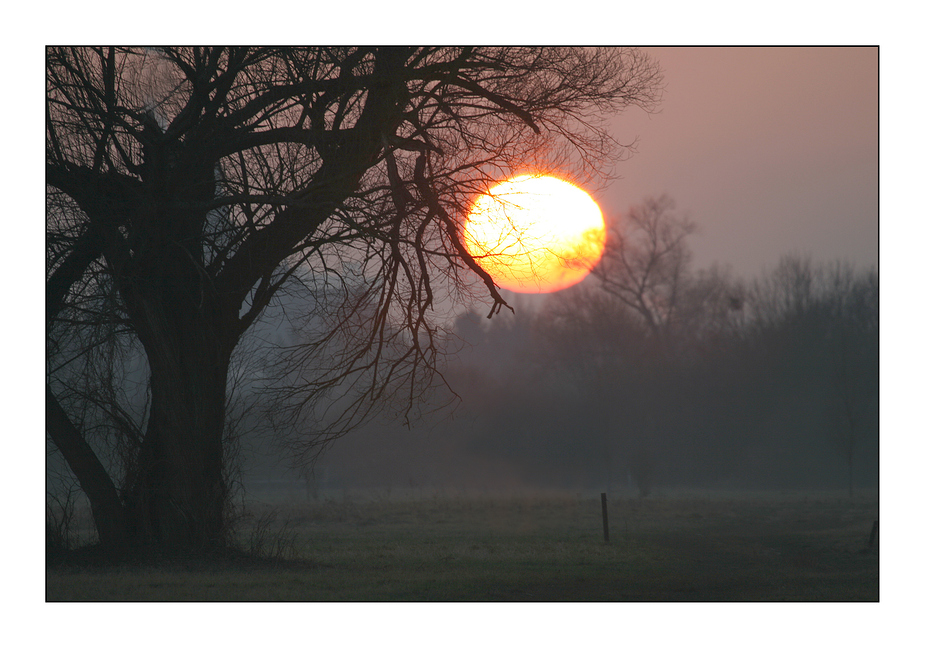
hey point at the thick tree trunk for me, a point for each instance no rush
(178, 497)
(152, 235)
(177, 492)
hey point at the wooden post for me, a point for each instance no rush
(604, 513)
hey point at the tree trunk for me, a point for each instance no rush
(178, 495)
(177, 491)
(105, 505)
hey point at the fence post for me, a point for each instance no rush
(873, 535)
(604, 513)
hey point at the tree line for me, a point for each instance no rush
(652, 373)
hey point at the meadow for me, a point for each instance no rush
(537, 546)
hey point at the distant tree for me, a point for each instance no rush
(852, 336)
(646, 264)
(592, 349)
(646, 271)
(820, 327)
(188, 188)
(786, 294)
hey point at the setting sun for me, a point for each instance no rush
(535, 233)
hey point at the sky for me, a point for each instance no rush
(769, 150)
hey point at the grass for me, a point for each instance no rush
(540, 547)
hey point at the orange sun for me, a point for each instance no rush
(535, 233)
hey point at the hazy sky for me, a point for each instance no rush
(768, 150)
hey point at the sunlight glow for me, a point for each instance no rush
(535, 233)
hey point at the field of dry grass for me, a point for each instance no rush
(673, 546)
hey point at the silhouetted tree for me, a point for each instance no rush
(645, 269)
(683, 365)
(190, 187)
(757, 388)
(646, 264)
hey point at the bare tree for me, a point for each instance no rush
(636, 330)
(191, 187)
(646, 264)
(787, 293)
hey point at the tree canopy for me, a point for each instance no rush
(188, 187)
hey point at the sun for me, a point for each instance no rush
(535, 233)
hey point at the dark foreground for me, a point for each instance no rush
(550, 547)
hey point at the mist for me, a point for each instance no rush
(572, 391)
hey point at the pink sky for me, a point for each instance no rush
(768, 150)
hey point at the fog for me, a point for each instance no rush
(571, 391)
(772, 153)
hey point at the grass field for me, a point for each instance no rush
(673, 546)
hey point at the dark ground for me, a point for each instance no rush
(694, 546)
